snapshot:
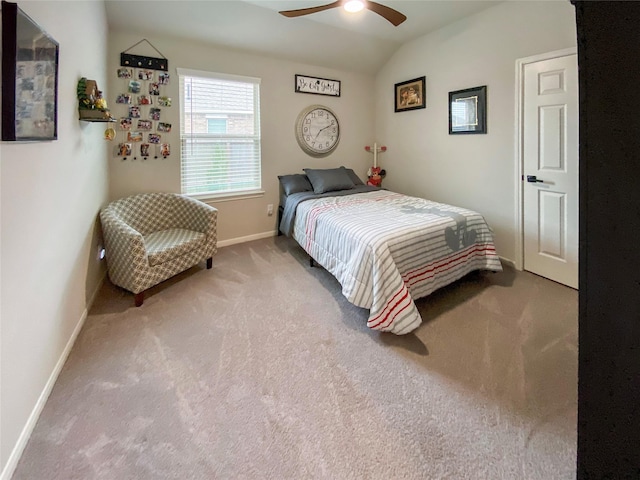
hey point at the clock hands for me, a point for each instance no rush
(320, 131)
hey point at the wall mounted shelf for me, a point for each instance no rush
(92, 107)
(98, 120)
(95, 116)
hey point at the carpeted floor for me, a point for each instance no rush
(259, 368)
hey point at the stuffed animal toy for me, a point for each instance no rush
(376, 174)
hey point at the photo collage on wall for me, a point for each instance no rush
(143, 103)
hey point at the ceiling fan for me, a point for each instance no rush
(393, 16)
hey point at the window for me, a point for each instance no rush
(219, 134)
(216, 125)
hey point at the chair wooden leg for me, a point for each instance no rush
(209, 262)
(139, 299)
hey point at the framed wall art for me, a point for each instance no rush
(468, 111)
(317, 86)
(410, 95)
(29, 78)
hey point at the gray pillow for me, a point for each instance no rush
(329, 179)
(295, 183)
(353, 176)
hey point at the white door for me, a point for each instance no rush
(550, 168)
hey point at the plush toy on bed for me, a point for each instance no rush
(376, 174)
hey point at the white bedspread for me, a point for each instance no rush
(387, 249)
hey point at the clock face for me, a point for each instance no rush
(317, 130)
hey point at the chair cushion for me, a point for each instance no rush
(168, 244)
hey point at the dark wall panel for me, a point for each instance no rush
(609, 331)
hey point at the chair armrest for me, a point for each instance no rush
(193, 214)
(125, 250)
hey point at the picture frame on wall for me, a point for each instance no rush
(29, 78)
(410, 95)
(468, 111)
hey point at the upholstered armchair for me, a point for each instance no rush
(150, 237)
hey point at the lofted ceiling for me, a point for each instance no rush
(361, 42)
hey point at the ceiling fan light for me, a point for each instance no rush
(353, 6)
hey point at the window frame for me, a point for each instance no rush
(225, 194)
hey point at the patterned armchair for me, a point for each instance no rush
(150, 237)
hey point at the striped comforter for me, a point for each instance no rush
(387, 249)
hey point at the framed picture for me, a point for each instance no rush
(317, 86)
(29, 78)
(410, 95)
(468, 111)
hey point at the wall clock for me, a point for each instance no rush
(317, 130)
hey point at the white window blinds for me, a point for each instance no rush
(219, 133)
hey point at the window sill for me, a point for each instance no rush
(228, 197)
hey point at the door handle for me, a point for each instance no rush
(533, 179)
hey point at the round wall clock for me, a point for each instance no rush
(317, 130)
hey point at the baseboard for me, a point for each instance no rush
(92, 299)
(248, 238)
(16, 453)
(510, 263)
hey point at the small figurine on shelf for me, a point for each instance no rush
(100, 102)
(92, 106)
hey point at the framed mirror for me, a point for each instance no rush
(29, 78)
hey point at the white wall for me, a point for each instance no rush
(50, 196)
(280, 106)
(51, 192)
(473, 171)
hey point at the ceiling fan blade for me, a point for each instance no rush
(394, 16)
(306, 11)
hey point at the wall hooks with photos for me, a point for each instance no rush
(140, 105)
(142, 61)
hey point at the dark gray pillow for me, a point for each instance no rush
(295, 183)
(353, 176)
(329, 179)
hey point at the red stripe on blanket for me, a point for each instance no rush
(392, 318)
(370, 322)
(411, 278)
(446, 263)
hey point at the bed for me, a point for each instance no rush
(385, 249)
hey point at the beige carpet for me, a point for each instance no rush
(259, 368)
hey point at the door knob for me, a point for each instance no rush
(533, 179)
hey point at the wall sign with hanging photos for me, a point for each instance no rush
(140, 106)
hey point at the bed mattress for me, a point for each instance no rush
(387, 249)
